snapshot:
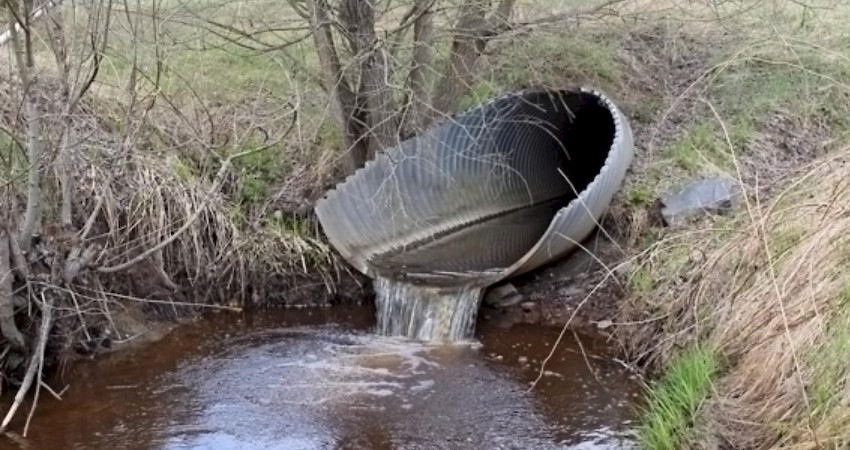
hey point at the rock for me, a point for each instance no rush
(530, 312)
(624, 268)
(581, 261)
(708, 195)
(529, 306)
(604, 324)
(503, 296)
(572, 291)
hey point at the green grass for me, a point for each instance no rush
(197, 62)
(258, 172)
(13, 161)
(480, 93)
(843, 300)
(704, 144)
(225, 73)
(674, 400)
(784, 239)
(803, 82)
(640, 281)
(639, 194)
(180, 168)
(550, 59)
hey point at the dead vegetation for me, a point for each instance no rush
(767, 292)
(756, 296)
(124, 201)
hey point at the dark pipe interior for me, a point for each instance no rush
(579, 130)
(585, 132)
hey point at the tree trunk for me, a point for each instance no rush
(26, 66)
(32, 217)
(421, 69)
(66, 181)
(7, 308)
(468, 44)
(342, 100)
(56, 33)
(358, 18)
(474, 30)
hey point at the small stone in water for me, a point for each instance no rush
(523, 359)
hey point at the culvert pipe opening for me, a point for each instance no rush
(496, 191)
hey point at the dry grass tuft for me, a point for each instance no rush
(769, 291)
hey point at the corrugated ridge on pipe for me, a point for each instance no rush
(493, 192)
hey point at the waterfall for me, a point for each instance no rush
(426, 313)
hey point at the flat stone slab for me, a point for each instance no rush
(503, 296)
(702, 196)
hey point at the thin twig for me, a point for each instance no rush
(45, 312)
(564, 330)
(571, 13)
(56, 395)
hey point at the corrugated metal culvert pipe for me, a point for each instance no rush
(488, 194)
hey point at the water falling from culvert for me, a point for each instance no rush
(426, 313)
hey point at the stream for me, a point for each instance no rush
(320, 379)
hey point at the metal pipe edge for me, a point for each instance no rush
(357, 216)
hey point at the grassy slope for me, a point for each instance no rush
(760, 92)
(764, 99)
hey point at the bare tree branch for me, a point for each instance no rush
(6, 36)
(58, 45)
(252, 36)
(569, 14)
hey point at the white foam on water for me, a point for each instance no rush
(422, 385)
(354, 370)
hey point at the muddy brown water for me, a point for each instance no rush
(319, 379)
